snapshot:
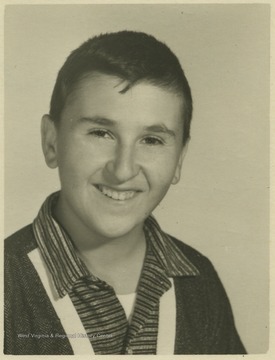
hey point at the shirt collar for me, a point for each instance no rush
(172, 259)
(65, 265)
(57, 249)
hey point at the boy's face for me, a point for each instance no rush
(117, 154)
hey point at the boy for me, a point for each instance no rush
(94, 273)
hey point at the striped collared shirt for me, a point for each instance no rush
(95, 301)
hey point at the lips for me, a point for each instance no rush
(120, 195)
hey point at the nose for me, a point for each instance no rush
(123, 165)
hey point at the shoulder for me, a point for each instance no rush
(207, 280)
(201, 262)
(206, 286)
(22, 241)
(18, 268)
(203, 310)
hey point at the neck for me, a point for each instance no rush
(112, 251)
(99, 253)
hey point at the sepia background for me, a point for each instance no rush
(221, 206)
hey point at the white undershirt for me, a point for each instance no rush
(127, 301)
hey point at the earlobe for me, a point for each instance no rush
(177, 175)
(49, 137)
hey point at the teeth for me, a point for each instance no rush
(116, 195)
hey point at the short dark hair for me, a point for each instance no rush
(132, 56)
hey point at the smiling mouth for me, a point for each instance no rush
(114, 194)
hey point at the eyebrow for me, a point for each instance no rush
(98, 120)
(160, 128)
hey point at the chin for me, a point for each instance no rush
(116, 230)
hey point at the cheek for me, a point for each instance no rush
(71, 152)
(162, 169)
(159, 181)
(72, 166)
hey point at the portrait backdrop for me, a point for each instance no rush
(221, 206)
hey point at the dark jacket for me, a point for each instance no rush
(204, 320)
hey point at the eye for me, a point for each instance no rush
(100, 133)
(152, 140)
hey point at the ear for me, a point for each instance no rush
(49, 137)
(177, 175)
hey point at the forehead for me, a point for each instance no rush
(105, 95)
